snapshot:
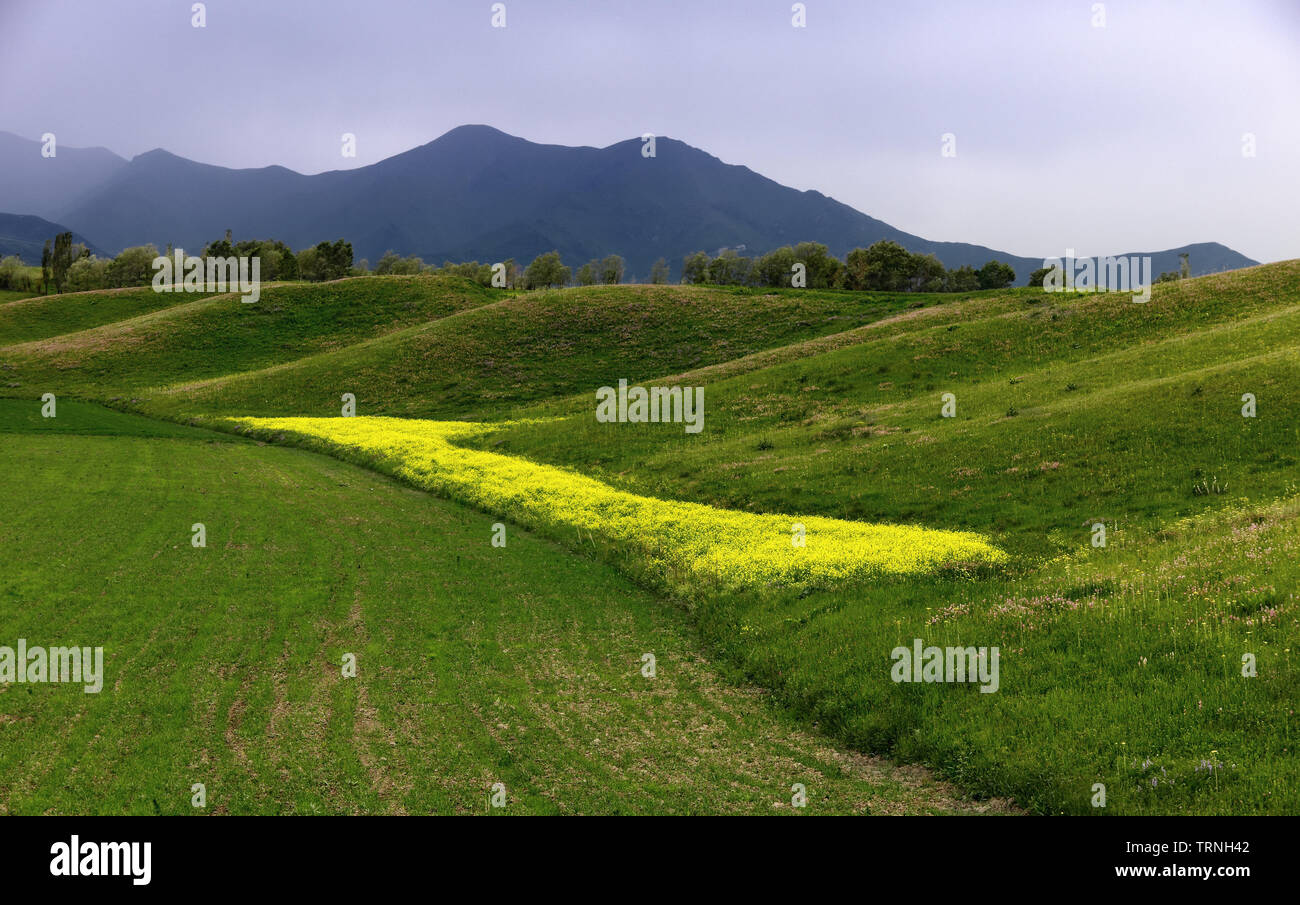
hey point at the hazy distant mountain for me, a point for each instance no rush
(47, 186)
(25, 234)
(478, 194)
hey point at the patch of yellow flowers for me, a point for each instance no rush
(688, 539)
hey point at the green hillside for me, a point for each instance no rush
(475, 666)
(210, 336)
(1068, 408)
(1121, 664)
(535, 347)
(27, 318)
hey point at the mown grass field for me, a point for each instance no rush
(1121, 665)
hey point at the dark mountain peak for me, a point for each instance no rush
(466, 146)
(158, 155)
(161, 156)
(24, 235)
(479, 193)
(662, 142)
(476, 132)
(31, 183)
(468, 139)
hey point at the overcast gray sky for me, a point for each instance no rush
(1126, 137)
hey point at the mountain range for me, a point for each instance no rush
(25, 235)
(475, 193)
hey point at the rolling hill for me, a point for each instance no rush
(309, 558)
(1122, 663)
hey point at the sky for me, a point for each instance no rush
(1106, 128)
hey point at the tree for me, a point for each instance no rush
(1038, 276)
(587, 272)
(546, 270)
(775, 267)
(963, 279)
(611, 270)
(884, 266)
(659, 272)
(339, 258)
(695, 268)
(45, 268)
(996, 275)
(393, 263)
(928, 274)
(133, 267)
(309, 265)
(61, 260)
(327, 261)
(277, 259)
(512, 273)
(13, 274)
(469, 270)
(288, 262)
(87, 273)
(730, 269)
(221, 248)
(823, 270)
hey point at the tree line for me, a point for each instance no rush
(68, 266)
(884, 266)
(545, 271)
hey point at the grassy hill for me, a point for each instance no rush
(530, 348)
(1069, 408)
(475, 665)
(184, 337)
(26, 318)
(1121, 664)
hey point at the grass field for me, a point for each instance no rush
(1121, 664)
(24, 318)
(697, 544)
(476, 665)
(530, 348)
(13, 295)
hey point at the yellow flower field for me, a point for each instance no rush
(683, 539)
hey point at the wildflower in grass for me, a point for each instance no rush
(682, 539)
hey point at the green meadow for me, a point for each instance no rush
(1160, 664)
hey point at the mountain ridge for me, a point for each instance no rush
(24, 235)
(479, 193)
